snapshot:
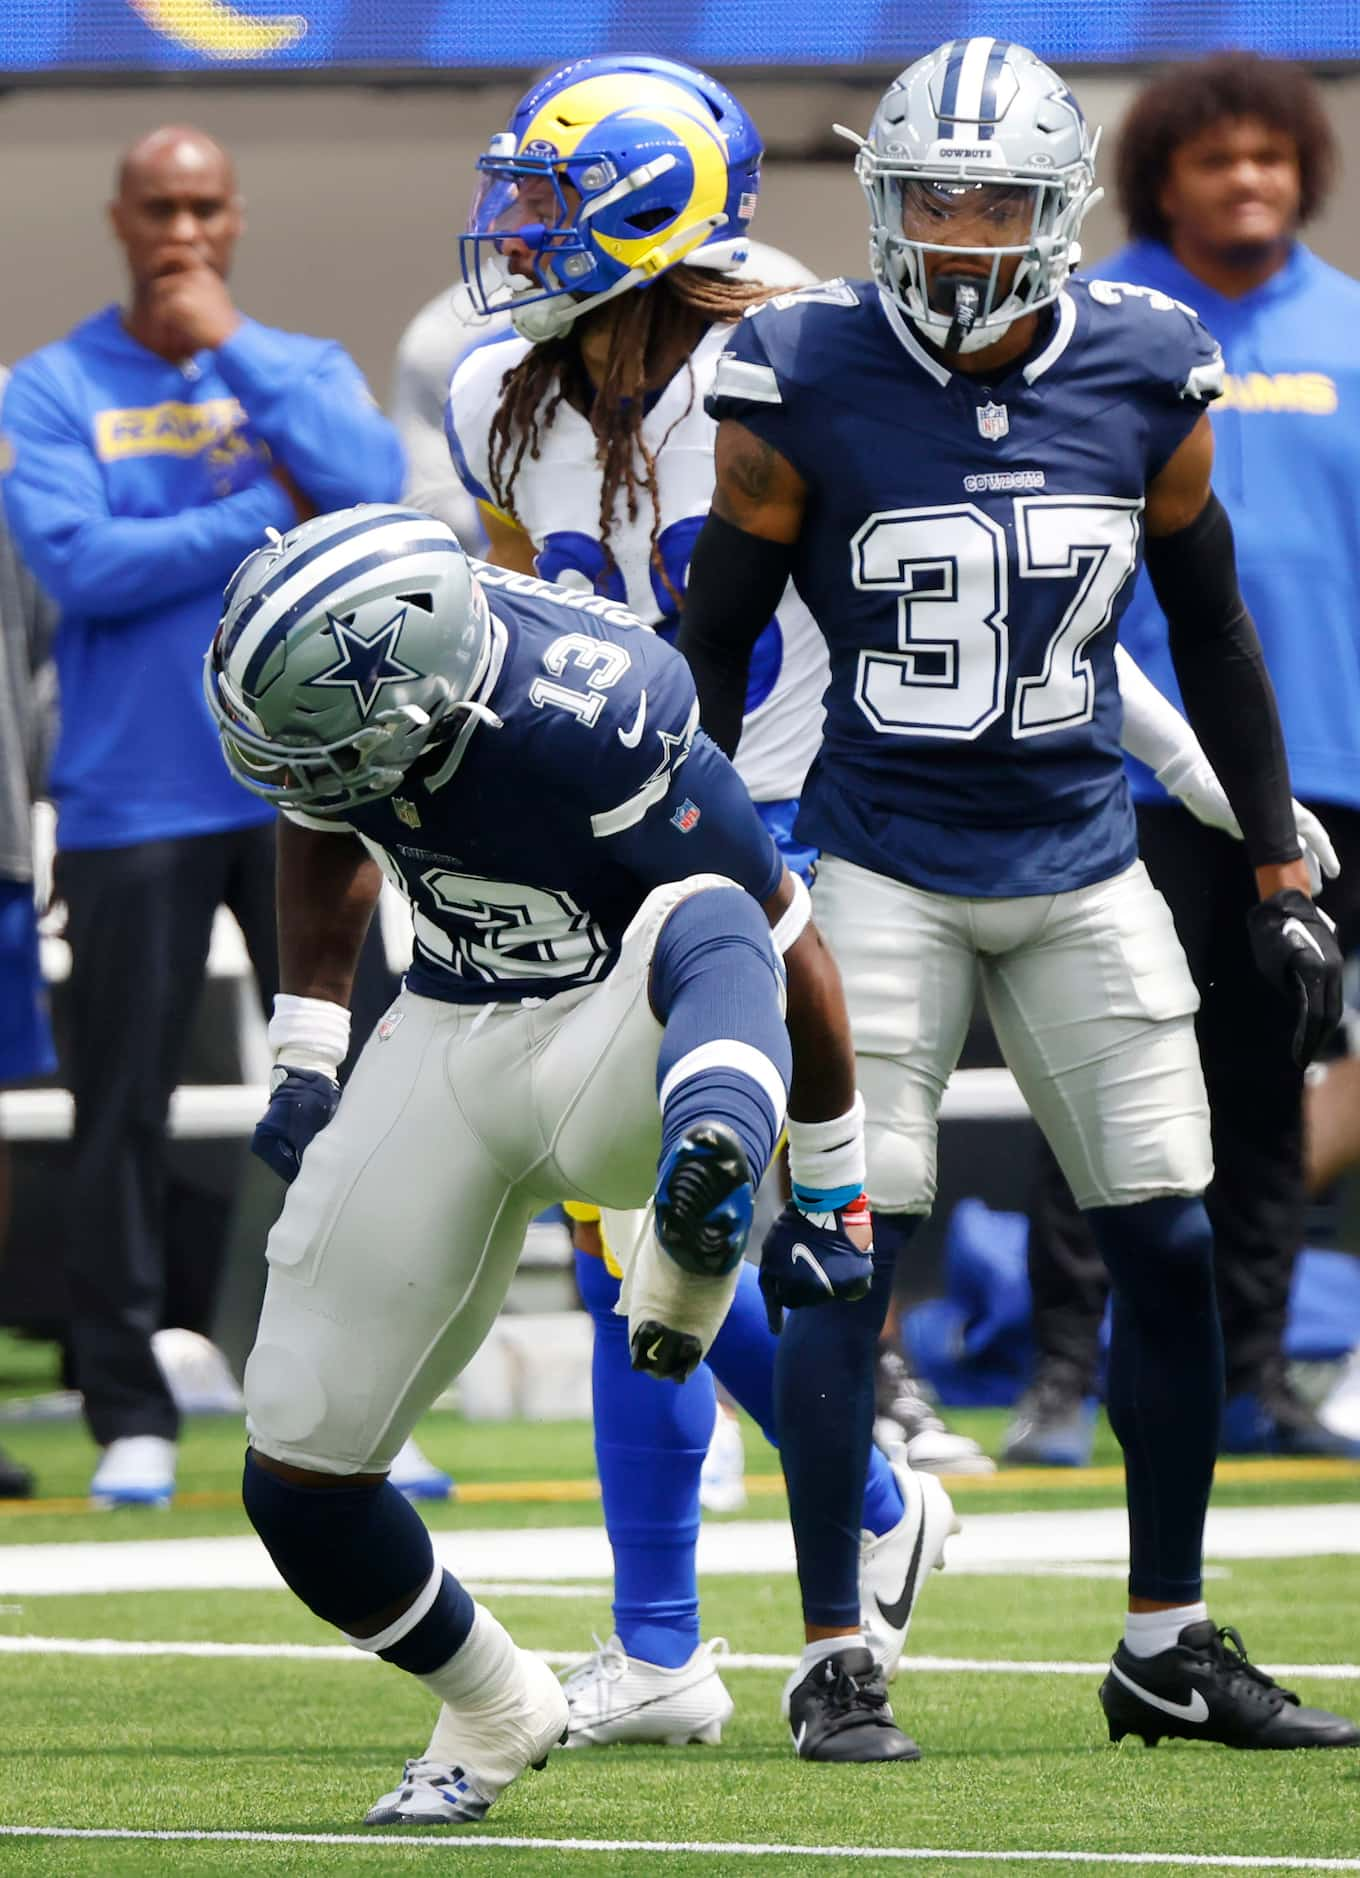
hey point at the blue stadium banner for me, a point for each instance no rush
(110, 38)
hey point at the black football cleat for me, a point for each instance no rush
(839, 1711)
(671, 1355)
(16, 1483)
(705, 1199)
(1205, 1689)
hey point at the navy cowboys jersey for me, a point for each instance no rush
(525, 850)
(967, 550)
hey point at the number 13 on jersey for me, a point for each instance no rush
(950, 568)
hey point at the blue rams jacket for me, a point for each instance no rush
(1287, 469)
(134, 487)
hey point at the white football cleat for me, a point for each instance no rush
(482, 1747)
(616, 1697)
(137, 1470)
(432, 1794)
(906, 1426)
(893, 1566)
(722, 1478)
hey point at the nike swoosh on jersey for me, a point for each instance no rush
(1295, 928)
(631, 737)
(899, 1610)
(1195, 1710)
(801, 1252)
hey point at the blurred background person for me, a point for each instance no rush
(1221, 161)
(152, 447)
(27, 727)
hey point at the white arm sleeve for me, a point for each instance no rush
(1156, 733)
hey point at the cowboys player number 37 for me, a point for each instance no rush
(962, 463)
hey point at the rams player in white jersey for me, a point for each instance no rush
(611, 221)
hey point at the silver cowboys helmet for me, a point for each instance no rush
(346, 648)
(978, 137)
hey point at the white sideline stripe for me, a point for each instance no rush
(724, 1848)
(568, 1659)
(560, 1554)
(222, 1109)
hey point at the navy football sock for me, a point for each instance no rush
(725, 1055)
(650, 1443)
(824, 1407)
(351, 1554)
(1165, 1384)
(743, 1360)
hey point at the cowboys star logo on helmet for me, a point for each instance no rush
(313, 706)
(611, 171)
(979, 137)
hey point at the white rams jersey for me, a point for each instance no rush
(557, 504)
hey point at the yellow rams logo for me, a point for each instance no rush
(562, 123)
(216, 30)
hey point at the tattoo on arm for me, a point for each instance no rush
(747, 479)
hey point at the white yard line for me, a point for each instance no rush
(731, 1848)
(568, 1659)
(1016, 1543)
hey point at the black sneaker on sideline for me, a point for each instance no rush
(1205, 1689)
(839, 1711)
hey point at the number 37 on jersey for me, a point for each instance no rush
(952, 569)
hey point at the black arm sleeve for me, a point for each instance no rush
(735, 583)
(1229, 698)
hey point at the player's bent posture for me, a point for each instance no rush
(958, 463)
(595, 1013)
(611, 219)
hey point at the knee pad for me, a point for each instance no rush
(901, 1171)
(288, 1413)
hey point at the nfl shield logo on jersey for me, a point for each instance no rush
(406, 811)
(993, 421)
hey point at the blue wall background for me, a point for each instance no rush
(141, 36)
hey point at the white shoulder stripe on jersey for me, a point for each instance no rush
(630, 812)
(1058, 344)
(744, 378)
(910, 344)
(730, 1053)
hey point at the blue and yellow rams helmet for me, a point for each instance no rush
(611, 171)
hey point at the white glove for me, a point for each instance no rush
(1188, 777)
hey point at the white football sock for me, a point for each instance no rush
(1148, 1633)
(827, 1646)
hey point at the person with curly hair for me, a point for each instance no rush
(1221, 162)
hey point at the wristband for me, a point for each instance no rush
(826, 1160)
(309, 1033)
(791, 922)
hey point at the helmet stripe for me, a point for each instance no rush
(987, 111)
(330, 585)
(292, 565)
(949, 95)
(972, 74)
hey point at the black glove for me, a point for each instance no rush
(807, 1259)
(1294, 945)
(301, 1102)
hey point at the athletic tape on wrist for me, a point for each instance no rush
(826, 1160)
(309, 1033)
(789, 926)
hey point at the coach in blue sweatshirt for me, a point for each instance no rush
(147, 454)
(1220, 163)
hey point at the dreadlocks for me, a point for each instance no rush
(673, 312)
